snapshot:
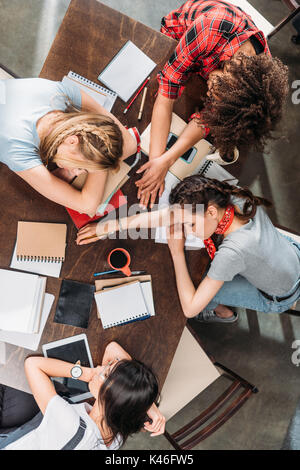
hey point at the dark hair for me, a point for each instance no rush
(246, 103)
(197, 189)
(126, 395)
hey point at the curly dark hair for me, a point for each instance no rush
(246, 102)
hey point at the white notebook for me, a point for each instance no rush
(38, 267)
(121, 304)
(100, 94)
(127, 71)
(22, 298)
(29, 340)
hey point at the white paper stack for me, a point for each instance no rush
(22, 300)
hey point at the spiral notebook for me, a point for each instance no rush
(127, 70)
(100, 94)
(122, 304)
(39, 241)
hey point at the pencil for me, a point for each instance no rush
(142, 104)
(136, 95)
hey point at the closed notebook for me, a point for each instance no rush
(121, 304)
(146, 284)
(22, 299)
(127, 70)
(74, 303)
(41, 241)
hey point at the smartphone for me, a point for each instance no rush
(188, 156)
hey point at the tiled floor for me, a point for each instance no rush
(259, 346)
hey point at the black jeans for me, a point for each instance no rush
(16, 408)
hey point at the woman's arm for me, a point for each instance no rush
(86, 201)
(95, 231)
(89, 104)
(114, 351)
(38, 372)
(192, 300)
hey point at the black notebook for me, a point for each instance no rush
(74, 303)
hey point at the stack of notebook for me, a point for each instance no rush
(121, 301)
(22, 300)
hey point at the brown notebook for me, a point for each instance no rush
(39, 241)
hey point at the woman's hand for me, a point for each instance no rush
(158, 424)
(152, 180)
(176, 238)
(67, 174)
(96, 231)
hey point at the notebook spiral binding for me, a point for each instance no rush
(127, 320)
(88, 82)
(45, 259)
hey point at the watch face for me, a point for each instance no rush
(76, 372)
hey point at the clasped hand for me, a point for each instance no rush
(152, 181)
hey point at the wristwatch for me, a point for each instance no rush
(76, 371)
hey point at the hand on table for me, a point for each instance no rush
(95, 231)
(158, 424)
(153, 180)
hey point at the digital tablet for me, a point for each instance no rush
(72, 349)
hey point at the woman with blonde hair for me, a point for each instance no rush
(40, 126)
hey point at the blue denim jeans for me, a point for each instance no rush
(241, 293)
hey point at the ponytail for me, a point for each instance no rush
(197, 189)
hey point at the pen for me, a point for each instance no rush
(136, 95)
(142, 104)
(133, 273)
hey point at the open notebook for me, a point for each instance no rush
(22, 299)
(121, 304)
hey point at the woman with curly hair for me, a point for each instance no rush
(44, 123)
(246, 87)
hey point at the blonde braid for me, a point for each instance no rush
(100, 140)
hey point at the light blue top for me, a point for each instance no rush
(261, 254)
(23, 102)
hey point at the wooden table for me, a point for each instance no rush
(90, 35)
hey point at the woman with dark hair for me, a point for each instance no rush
(252, 264)
(247, 88)
(125, 392)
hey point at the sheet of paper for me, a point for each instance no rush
(127, 71)
(27, 340)
(38, 267)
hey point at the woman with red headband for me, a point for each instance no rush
(252, 264)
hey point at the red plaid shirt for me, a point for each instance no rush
(209, 32)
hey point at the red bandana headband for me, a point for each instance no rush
(222, 227)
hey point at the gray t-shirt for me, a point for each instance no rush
(260, 253)
(23, 102)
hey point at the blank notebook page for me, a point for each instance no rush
(17, 292)
(127, 71)
(121, 304)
